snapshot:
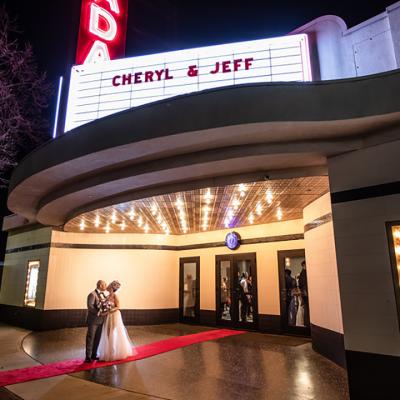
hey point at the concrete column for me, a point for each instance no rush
(365, 193)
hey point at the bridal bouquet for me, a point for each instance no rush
(104, 305)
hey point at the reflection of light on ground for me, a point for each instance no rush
(303, 379)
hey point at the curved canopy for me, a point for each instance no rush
(229, 135)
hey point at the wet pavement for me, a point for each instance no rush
(249, 366)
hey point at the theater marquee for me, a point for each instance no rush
(98, 90)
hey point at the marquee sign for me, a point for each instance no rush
(98, 90)
(102, 31)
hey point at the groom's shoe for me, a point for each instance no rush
(88, 360)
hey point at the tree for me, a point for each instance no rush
(24, 96)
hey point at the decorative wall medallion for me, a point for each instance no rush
(232, 240)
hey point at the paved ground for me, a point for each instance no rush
(249, 366)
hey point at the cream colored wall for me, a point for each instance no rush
(16, 264)
(150, 278)
(322, 274)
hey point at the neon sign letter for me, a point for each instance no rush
(102, 31)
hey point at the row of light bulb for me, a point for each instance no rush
(230, 215)
(206, 209)
(156, 213)
(107, 228)
(182, 215)
(259, 207)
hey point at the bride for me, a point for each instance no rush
(115, 343)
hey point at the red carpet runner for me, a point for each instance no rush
(69, 366)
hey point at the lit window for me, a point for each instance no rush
(394, 244)
(31, 283)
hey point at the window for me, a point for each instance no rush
(31, 283)
(393, 230)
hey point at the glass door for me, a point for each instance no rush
(236, 290)
(294, 300)
(189, 289)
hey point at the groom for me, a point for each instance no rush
(95, 319)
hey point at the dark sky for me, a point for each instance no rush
(161, 25)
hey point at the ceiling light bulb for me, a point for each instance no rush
(146, 228)
(140, 221)
(97, 221)
(107, 228)
(279, 213)
(269, 197)
(132, 214)
(242, 187)
(114, 217)
(179, 202)
(82, 225)
(159, 218)
(259, 209)
(154, 209)
(251, 218)
(123, 226)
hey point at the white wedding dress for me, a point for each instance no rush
(115, 343)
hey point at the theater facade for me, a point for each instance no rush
(252, 185)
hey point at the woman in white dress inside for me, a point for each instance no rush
(115, 343)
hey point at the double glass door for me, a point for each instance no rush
(236, 290)
(189, 289)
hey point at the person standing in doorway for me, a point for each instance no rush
(95, 320)
(303, 286)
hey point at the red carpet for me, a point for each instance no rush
(69, 366)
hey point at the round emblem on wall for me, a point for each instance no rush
(232, 240)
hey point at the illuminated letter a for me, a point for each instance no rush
(98, 53)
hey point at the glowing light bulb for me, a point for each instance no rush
(154, 209)
(97, 221)
(269, 197)
(279, 213)
(140, 221)
(259, 209)
(146, 228)
(236, 203)
(114, 217)
(179, 203)
(132, 214)
(123, 226)
(251, 218)
(107, 228)
(82, 225)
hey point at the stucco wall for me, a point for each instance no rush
(370, 319)
(323, 284)
(16, 267)
(150, 278)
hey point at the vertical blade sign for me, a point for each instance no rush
(102, 31)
